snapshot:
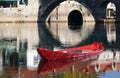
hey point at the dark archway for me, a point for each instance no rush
(75, 19)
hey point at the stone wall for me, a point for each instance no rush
(22, 13)
(40, 10)
(61, 12)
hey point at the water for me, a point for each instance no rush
(19, 58)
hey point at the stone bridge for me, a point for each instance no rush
(96, 7)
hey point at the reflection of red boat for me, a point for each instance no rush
(71, 53)
(47, 67)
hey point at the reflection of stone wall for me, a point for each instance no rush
(1, 63)
(110, 32)
(24, 32)
(109, 56)
(21, 13)
(65, 35)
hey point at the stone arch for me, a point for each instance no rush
(61, 12)
(45, 9)
(96, 8)
(88, 8)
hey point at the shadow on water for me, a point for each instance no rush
(10, 59)
(98, 34)
(46, 38)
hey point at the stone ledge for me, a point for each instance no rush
(17, 20)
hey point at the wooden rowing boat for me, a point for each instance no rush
(80, 52)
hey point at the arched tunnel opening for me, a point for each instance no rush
(75, 19)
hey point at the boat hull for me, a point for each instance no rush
(81, 52)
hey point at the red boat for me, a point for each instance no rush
(80, 52)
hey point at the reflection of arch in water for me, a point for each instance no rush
(68, 37)
(98, 34)
(110, 32)
(95, 33)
